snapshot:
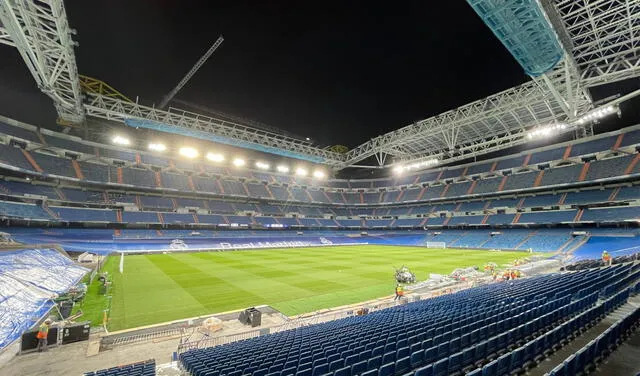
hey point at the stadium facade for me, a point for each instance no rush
(513, 202)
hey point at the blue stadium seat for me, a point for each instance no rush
(504, 364)
(417, 359)
(517, 360)
(559, 370)
(475, 372)
(287, 371)
(570, 365)
(443, 349)
(441, 367)
(480, 351)
(455, 363)
(345, 371)
(351, 360)
(320, 369)
(430, 354)
(388, 369)
(336, 364)
(402, 352)
(358, 368)
(389, 357)
(491, 369)
(374, 363)
(403, 365)
(454, 345)
(468, 357)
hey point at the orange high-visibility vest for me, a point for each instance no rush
(43, 331)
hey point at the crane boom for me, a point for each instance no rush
(167, 98)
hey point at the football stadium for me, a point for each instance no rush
(499, 237)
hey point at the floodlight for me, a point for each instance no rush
(157, 147)
(282, 168)
(188, 152)
(120, 140)
(416, 165)
(262, 165)
(319, 174)
(301, 171)
(549, 130)
(597, 114)
(238, 162)
(215, 157)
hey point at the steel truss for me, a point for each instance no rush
(488, 124)
(41, 33)
(5, 38)
(601, 40)
(605, 36)
(110, 108)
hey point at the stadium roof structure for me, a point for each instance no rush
(565, 46)
(41, 33)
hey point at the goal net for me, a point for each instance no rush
(436, 245)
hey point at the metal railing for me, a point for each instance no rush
(217, 341)
(140, 338)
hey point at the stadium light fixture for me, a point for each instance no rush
(215, 157)
(120, 140)
(157, 147)
(238, 162)
(319, 174)
(547, 131)
(416, 165)
(592, 116)
(597, 114)
(262, 165)
(301, 171)
(282, 168)
(423, 164)
(188, 152)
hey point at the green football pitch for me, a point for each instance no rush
(156, 288)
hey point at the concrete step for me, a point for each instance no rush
(624, 360)
(559, 356)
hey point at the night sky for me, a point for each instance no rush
(338, 72)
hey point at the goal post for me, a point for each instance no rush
(436, 244)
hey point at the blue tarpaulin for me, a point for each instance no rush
(29, 278)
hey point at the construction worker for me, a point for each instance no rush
(399, 292)
(43, 332)
(606, 258)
